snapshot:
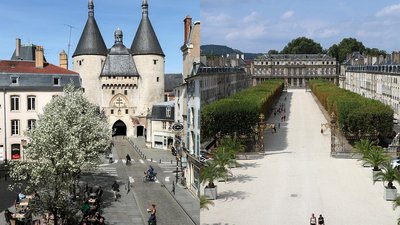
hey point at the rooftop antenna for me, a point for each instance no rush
(69, 39)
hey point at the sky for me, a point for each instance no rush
(47, 23)
(260, 25)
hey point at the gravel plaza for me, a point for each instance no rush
(297, 177)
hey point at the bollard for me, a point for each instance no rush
(160, 161)
(171, 161)
(173, 187)
(151, 159)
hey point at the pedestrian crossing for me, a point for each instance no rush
(107, 171)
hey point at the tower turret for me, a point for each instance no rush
(89, 56)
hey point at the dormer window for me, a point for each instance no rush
(168, 112)
(56, 81)
(14, 80)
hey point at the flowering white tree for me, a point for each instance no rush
(67, 139)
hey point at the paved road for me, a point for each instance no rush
(298, 177)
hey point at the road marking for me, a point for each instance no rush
(166, 179)
(131, 180)
(141, 161)
(123, 161)
(156, 181)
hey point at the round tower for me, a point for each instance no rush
(89, 57)
(149, 60)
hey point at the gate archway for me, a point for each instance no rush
(119, 128)
(140, 131)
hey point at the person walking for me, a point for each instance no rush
(321, 220)
(313, 220)
(115, 188)
(152, 219)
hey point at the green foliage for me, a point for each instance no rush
(346, 46)
(374, 52)
(239, 113)
(212, 171)
(67, 139)
(354, 112)
(388, 174)
(302, 45)
(273, 52)
(376, 157)
(205, 202)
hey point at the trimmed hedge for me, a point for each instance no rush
(240, 112)
(354, 112)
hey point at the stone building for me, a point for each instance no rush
(295, 69)
(375, 78)
(27, 84)
(124, 82)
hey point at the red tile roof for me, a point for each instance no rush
(11, 66)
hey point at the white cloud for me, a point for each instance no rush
(215, 20)
(287, 15)
(254, 16)
(329, 32)
(247, 33)
(392, 10)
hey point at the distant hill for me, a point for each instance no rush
(223, 50)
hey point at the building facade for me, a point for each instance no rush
(124, 82)
(376, 78)
(27, 84)
(294, 69)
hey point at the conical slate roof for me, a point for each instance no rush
(91, 41)
(119, 61)
(145, 41)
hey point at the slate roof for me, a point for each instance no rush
(27, 52)
(145, 41)
(158, 111)
(295, 56)
(91, 41)
(119, 61)
(32, 78)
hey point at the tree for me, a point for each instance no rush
(346, 46)
(273, 52)
(302, 45)
(374, 52)
(67, 139)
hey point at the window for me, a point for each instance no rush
(56, 81)
(31, 102)
(14, 103)
(14, 80)
(168, 112)
(125, 92)
(158, 79)
(155, 61)
(112, 111)
(126, 111)
(112, 92)
(31, 124)
(164, 125)
(14, 127)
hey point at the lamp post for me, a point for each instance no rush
(261, 126)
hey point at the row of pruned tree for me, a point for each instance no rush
(240, 112)
(355, 113)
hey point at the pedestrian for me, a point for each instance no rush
(152, 210)
(8, 216)
(313, 220)
(321, 220)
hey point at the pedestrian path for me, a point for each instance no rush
(298, 177)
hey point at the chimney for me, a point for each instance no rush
(18, 48)
(39, 57)
(242, 56)
(187, 23)
(63, 60)
(237, 56)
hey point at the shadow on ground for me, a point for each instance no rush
(233, 195)
(241, 178)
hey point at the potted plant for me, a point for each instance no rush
(389, 174)
(211, 172)
(363, 147)
(375, 157)
(231, 147)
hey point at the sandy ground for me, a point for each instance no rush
(298, 177)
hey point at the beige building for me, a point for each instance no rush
(295, 69)
(27, 84)
(375, 78)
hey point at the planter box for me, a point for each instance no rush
(211, 193)
(390, 194)
(374, 178)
